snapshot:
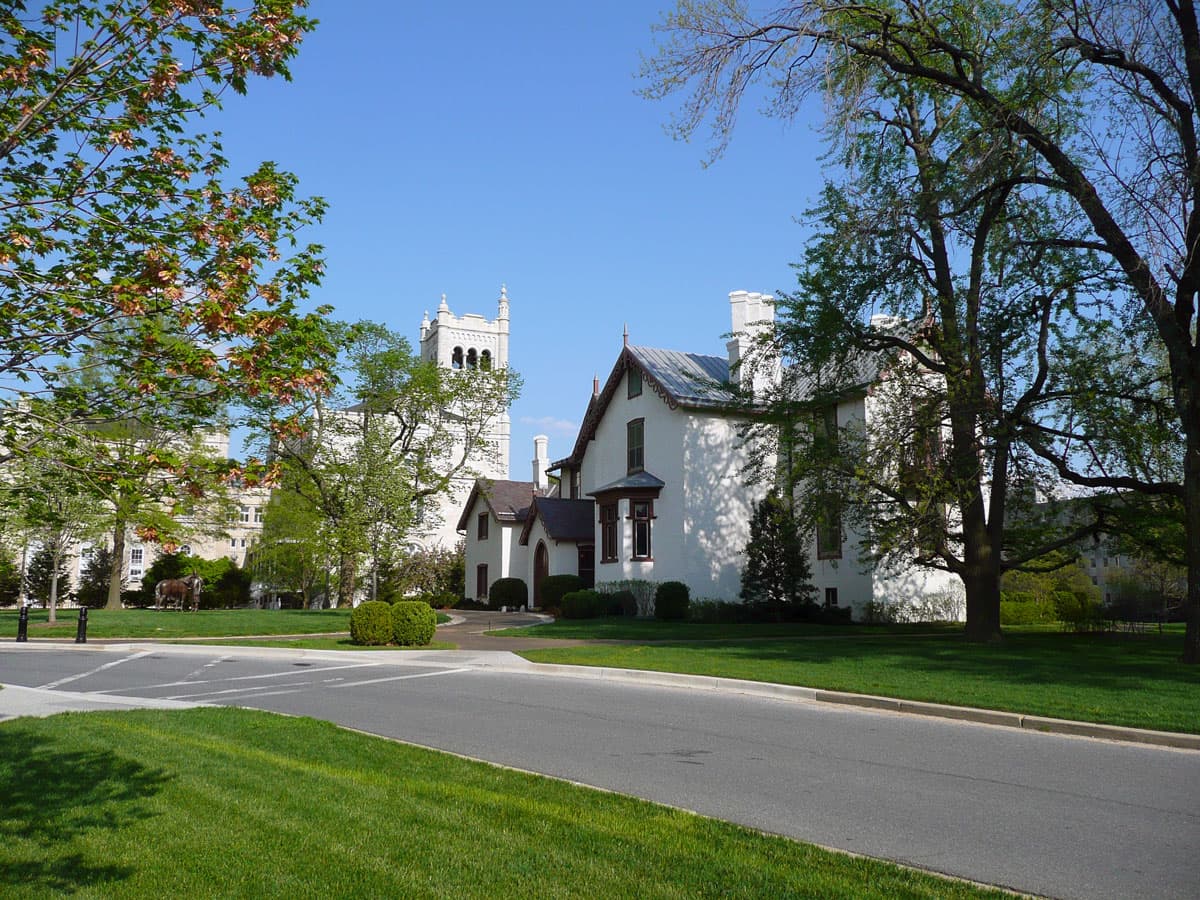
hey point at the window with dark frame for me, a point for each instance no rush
(830, 598)
(481, 581)
(482, 528)
(641, 513)
(634, 382)
(608, 533)
(829, 529)
(635, 441)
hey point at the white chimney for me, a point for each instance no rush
(541, 459)
(752, 315)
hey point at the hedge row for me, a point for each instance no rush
(409, 623)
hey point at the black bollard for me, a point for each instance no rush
(81, 629)
(23, 624)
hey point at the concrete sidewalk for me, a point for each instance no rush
(15, 701)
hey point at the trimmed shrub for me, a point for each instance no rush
(511, 592)
(371, 623)
(585, 605)
(554, 587)
(624, 603)
(1031, 612)
(413, 623)
(671, 601)
(718, 612)
(642, 591)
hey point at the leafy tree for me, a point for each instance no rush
(117, 236)
(10, 581)
(293, 553)
(46, 571)
(94, 578)
(396, 432)
(777, 576)
(1128, 171)
(434, 570)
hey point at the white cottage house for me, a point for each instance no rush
(654, 488)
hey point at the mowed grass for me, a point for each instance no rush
(1134, 680)
(315, 643)
(171, 623)
(627, 629)
(227, 802)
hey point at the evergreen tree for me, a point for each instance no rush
(777, 578)
(41, 574)
(93, 580)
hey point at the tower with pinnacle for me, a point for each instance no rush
(467, 342)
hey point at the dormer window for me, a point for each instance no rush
(634, 382)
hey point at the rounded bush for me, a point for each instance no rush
(624, 603)
(585, 605)
(671, 601)
(555, 587)
(371, 623)
(413, 623)
(511, 592)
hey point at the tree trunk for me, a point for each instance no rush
(347, 571)
(55, 561)
(1191, 501)
(118, 561)
(983, 608)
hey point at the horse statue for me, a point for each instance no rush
(179, 590)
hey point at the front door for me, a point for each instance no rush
(541, 568)
(587, 565)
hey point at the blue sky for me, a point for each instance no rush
(469, 145)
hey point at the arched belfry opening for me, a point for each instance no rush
(456, 358)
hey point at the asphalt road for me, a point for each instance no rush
(1044, 814)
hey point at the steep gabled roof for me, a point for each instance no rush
(569, 521)
(508, 501)
(687, 380)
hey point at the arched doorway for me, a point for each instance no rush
(541, 568)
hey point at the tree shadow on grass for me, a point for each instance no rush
(51, 796)
(1105, 662)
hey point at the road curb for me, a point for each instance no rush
(1043, 724)
(507, 661)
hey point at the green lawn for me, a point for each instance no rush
(171, 623)
(1133, 680)
(626, 629)
(315, 643)
(237, 803)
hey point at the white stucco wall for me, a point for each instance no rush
(501, 552)
(563, 558)
(702, 514)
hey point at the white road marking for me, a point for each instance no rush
(207, 665)
(245, 690)
(286, 674)
(400, 677)
(49, 686)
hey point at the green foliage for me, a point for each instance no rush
(10, 581)
(119, 238)
(718, 612)
(371, 623)
(554, 587)
(413, 623)
(437, 571)
(374, 475)
(1079, 610)
(510, 592)
(230, 589)
(641, 589)
(671, 601)
(586, 604)
(1028, 611)
(40, 572)
(625, 601)
(93, 582)
(292, 554)
(777, 575)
